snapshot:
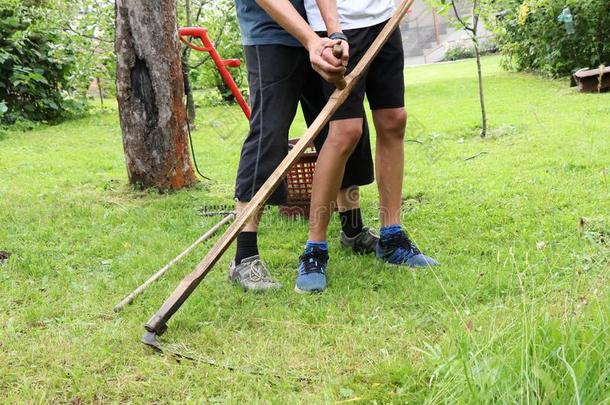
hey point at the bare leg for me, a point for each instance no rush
(348, 199)
(397, 249)
(390, 125)
(342, 138)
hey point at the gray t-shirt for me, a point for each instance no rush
(258, 28)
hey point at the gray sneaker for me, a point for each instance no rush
(363, 243)
(252, 274)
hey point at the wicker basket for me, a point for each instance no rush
(300, 179)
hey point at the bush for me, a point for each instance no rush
(34, 68)
(461, 51)
(531, 37)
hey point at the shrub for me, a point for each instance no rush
(531, 37)
(34, 69)
(458, 52)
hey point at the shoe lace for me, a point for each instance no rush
(403, 245)
(365, 238)
(314, 262)
(257, 272)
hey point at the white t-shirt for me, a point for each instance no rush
(352, 13)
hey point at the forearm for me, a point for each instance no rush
(330, 15)
(284, 13)
(322, 60)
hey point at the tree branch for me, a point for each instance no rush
(475, 16)
(460, 20)
(475, 156)
(80, 34)
(199, 11)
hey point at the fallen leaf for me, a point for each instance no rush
(469, 326)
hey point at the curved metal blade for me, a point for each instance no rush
(150, 340)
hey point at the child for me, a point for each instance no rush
(358, 23)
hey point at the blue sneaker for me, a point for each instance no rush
(311, 273)
(398, 249)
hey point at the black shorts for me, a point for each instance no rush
(279, 77)
(383, 82)
(359, 169)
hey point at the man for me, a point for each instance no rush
(358, 22)
(280, 74)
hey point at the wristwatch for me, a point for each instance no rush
(338, 35)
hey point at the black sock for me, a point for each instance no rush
(351, 222)
(247, 246)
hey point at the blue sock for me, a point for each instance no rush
(390, 230)
(320, 245)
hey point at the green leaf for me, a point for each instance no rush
(346, 392)
(52, 104)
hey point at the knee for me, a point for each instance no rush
(344, 137)
(392, 123)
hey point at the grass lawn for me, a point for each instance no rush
(517, 313)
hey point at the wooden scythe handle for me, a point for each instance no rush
(158, 323)
(338, 53)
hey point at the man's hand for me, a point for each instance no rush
(331, 68)
(345, 53)
(322, 60)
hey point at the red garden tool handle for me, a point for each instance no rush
(221, 64)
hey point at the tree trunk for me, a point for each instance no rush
(473, 29)
(190, 100)
(100, 90)
(481, 90)
(150, 90)
(191, 111)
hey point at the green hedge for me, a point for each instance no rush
(531, 37)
